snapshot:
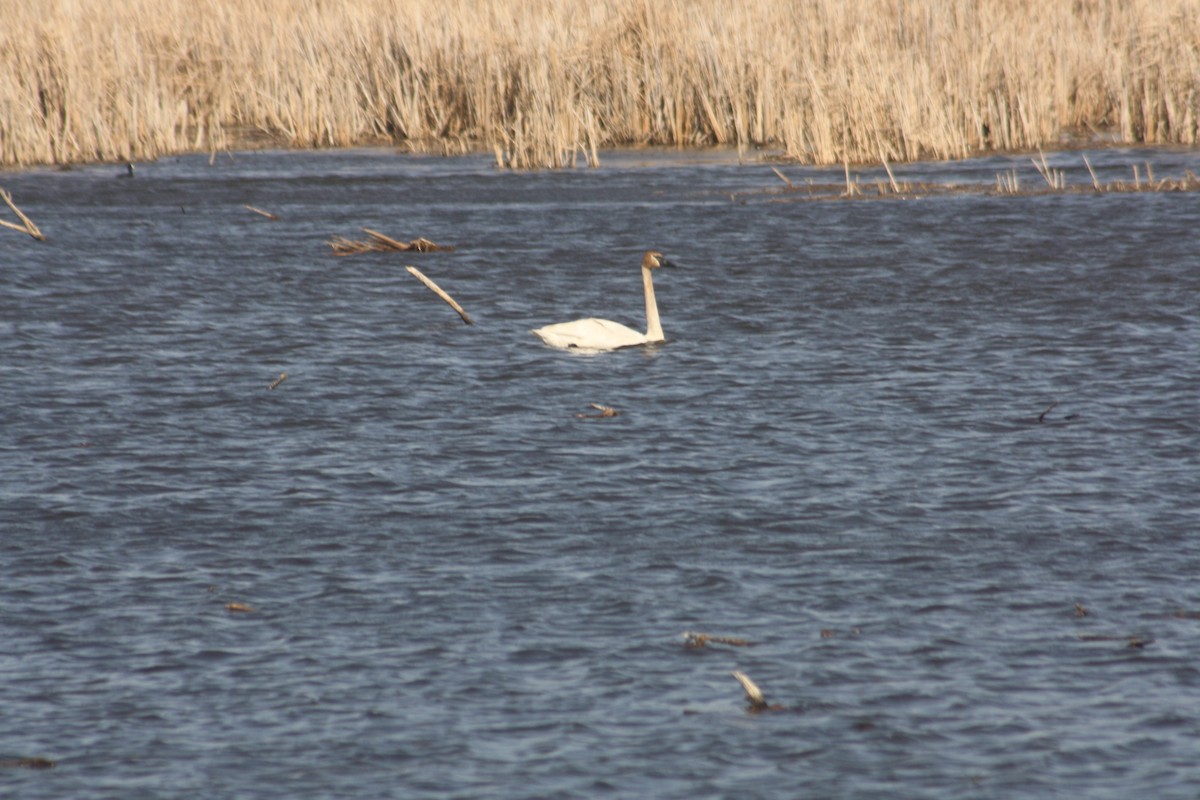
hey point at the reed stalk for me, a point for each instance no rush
(27, 225)
(549, 83)
(440, 292)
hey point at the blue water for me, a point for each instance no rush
(460, 588)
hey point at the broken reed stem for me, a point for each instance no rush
(1008, 183)
(605, 412)
(891, 177)
(1054, 178)
(391, 243)
(1092, 172)
(849, 185)
(693, 639)
(378, 242)
(438, 291)
(266, 214)
(28, 227)
(782, 177)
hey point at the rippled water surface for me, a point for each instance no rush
(460, 588)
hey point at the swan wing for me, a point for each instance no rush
(590, 334)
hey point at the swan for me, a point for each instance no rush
(604, 334)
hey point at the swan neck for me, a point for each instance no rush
(654, 331)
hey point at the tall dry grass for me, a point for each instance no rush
(551, 82)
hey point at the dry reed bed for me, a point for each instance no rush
(551, 82)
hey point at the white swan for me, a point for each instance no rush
(604, 334)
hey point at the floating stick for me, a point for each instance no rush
(392, 243)
(266, 214)
(691, 639)
(782, 177)
(29, 227)
(605, 411)
(1095, 180)
(754, 695)
(379, 242)
(438, 291)
(1049, 408)
(27, 763)
(282, 377)
(1140, 642)
(236, 607)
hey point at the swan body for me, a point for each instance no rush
(604, 334)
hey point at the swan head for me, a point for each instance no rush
(653, 260)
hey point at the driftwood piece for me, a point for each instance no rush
(28, 226)
(438, 291)
(693, 640)
(267, 214)
(275, 383)
(27, 763)
(754, 695)
(381, 243)
(605, 412)
(1130, 641)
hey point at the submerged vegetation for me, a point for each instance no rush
(551, 82)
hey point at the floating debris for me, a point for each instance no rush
(1044, 417)
(605, 412)
(239, 608)
(1080, 611)
(27, 763)
(267, 214)
(693, 640)
(378, 242)
(275, 383)
(1130, 641)
(438, 291)
(831, 633)
(754, 695)
(27, 225)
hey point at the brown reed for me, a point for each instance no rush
(27, 225)
(549, 83)
(377, 242)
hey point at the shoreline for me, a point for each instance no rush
(1068, 171)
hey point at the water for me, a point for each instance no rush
(462, 589)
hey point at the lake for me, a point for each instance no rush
(936, 459)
